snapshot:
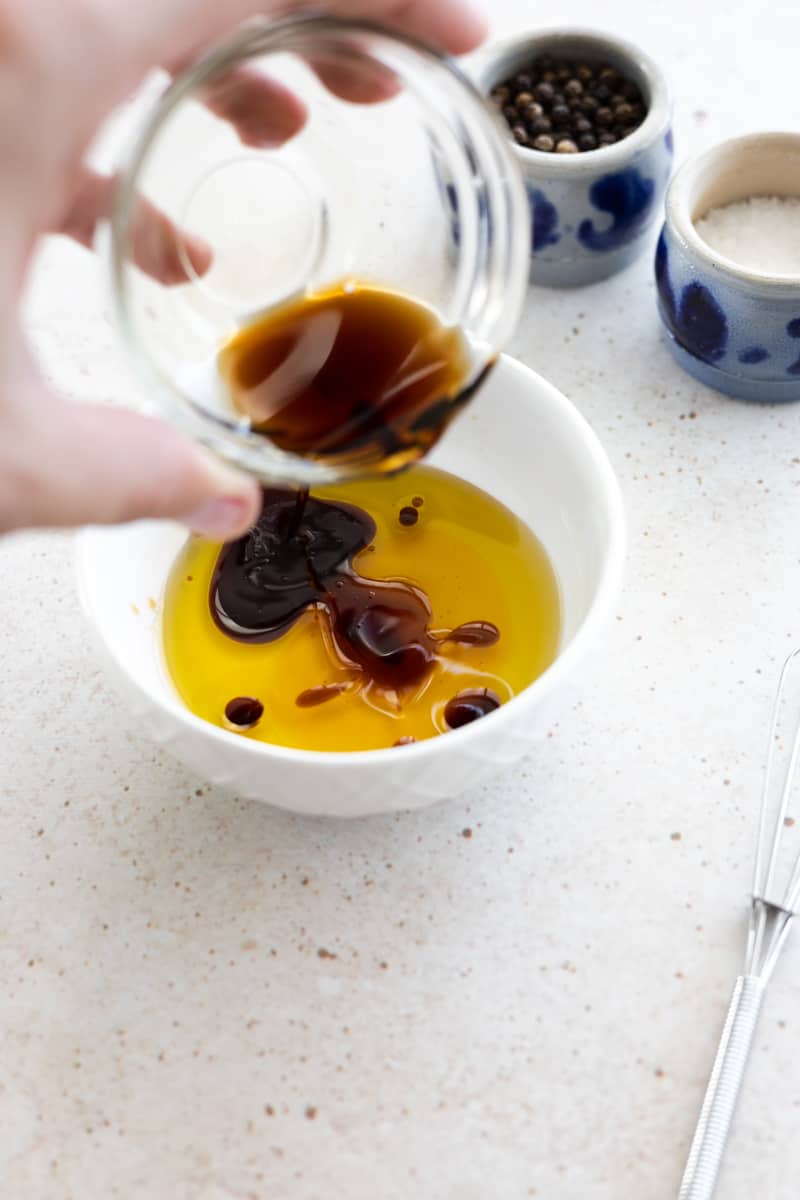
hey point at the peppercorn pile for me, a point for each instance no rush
(566, 107)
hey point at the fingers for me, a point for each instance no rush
(65, 464)
(158, 247)
(451, 25)
(264, 113)
(366, 83)
(161, 250)
(174, 30)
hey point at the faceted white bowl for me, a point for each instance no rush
(520, 440)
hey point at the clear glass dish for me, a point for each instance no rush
(415, 191)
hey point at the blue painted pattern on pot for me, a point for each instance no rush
(752, 355)
(627, 197)
(545, 220)
(593, 222)
(736, 335)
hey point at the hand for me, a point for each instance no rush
(65, 463)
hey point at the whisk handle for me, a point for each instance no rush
(722, 1092)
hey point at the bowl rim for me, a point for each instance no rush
(605, 595)
(487, 62)
(681, 224)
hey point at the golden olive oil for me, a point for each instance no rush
(479, 566)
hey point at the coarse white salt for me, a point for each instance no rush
(761, 233)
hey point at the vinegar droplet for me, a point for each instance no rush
(408, 516)
(475, 633)
(311, 697)
(244, 712)
(469, 706)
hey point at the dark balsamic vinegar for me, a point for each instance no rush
(356, 375)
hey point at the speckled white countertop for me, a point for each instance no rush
(517, 994)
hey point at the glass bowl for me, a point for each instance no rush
(396, 176)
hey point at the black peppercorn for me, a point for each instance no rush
(558, 105)
(541, 125)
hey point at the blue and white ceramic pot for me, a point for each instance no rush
(590, 212)
(733, 328)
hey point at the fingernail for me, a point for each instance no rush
(221, 518)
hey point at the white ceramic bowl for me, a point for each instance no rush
(520, 440)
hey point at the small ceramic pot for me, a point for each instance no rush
(734, 329)
(590, 212)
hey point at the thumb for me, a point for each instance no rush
(65, 464)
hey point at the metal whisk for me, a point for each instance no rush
(770, 922)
